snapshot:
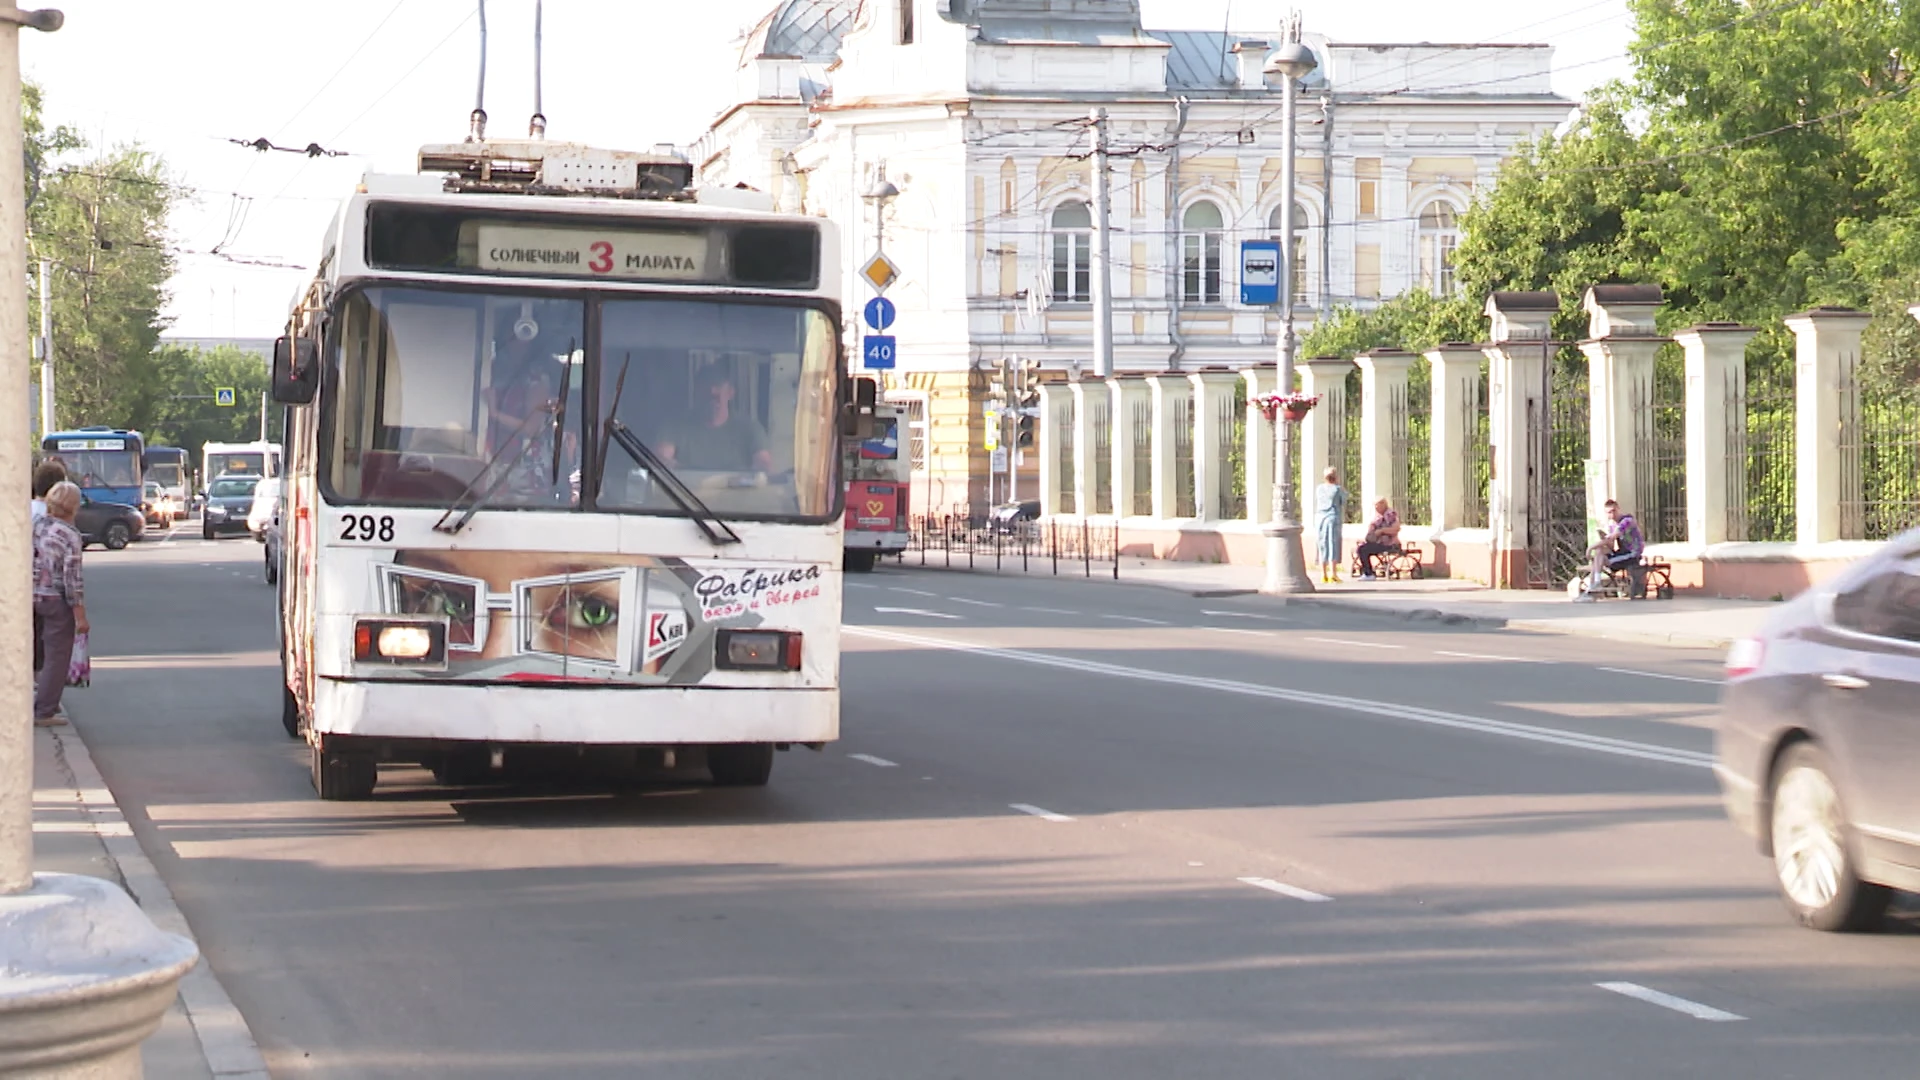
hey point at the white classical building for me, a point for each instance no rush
(976, 110)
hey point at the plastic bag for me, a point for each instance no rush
(80, 668)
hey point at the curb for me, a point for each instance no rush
(226, 1043)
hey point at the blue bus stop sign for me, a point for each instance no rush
(879, 352)
(1260, 273)
(880, 313)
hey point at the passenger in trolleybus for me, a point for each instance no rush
(529, 378)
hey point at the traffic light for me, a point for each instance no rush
(1028, 418)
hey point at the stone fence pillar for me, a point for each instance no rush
(1327, 377)
(1522, 330)
(1826, 351)
(1620, 354)
(1716, 374)
(1212, 412)
(1167, 388)
(1456, 387)
(1383, 380)
(1056, 419)
(1259, 449)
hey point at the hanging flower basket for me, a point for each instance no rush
(1293, 407)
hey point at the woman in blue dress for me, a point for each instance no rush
(1330, 508)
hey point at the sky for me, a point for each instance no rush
(377, 78)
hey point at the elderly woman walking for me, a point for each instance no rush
(59, 599)
(1330, 506)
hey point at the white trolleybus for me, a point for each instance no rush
(563, 472)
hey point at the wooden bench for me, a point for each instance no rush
(1405, 563)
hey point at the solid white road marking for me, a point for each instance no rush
(1137, 619)
(973, 603)
(1234, 630)
(1490, 656)
(1390, 710)
(1045, 815)
(1668, 1001)
(1354, 644)
(1658, 675)
(1285, 889)
(1243, 615)
(860, 585)
(909, 592)
(1049, 611)
(871, 760)
(915, 611)
(90, 828)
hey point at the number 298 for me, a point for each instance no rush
(367, 528)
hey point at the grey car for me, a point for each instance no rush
(1818, 741)
(229, 499)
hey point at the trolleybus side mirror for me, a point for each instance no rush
(296, 370)
(856, 414)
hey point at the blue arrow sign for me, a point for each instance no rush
(880, 312)
(879, 352)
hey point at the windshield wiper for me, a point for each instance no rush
(717, 531)
(560, 416)
(519, 445)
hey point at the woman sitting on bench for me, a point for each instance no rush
(1383, 538)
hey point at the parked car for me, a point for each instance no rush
(1818, 740)
(157, 506)
(109, 524)
(1009, 517)
(229, 501)
(266, 503)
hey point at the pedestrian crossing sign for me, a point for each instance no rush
(223, 395)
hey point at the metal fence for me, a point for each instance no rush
(1140, 499)
(1410, 431)
(1660, 451)
(1183, 494)
(1879, 463)
(1343, 443)
(1476, 451)
(1231, 487)
(976, 541)
(1760, 455)
(1100, 406)
(1064, 424)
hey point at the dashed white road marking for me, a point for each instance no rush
(973, 603)
(1668, 1001)
(871, 760)
(1490, 656)
(1354, 644)
(1049, 611)
(1285, 889)
(1243, 615)
(1390, 710)
(909, 592)
(1044, 815)
(860, 585)
(89, 828)
(1658, 675)
(915, 611)
(1234, 630)
(1137, 619)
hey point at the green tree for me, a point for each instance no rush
(1415, 320)
(189, 417)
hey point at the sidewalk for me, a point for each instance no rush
(78, 829)
(1689, 622)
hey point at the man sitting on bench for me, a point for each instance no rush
(1619, 548)
(1383, 538)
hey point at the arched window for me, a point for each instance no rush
(1073, 253)
(1200, 253)
(1302, 252)
(1439, 235)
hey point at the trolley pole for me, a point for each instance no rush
(88, 975)
(1102, 251)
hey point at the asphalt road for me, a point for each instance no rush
(1071, 830)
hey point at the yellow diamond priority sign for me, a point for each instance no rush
(880, 272)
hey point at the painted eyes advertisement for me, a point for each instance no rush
(531, 616)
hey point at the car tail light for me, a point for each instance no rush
(1745, 657)
(400, 643)
(757, 650)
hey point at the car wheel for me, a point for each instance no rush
(272, 571)
(344, 777)
(206, 532)
(117, 536)
(1813, 858)
(290, 712)
(740, 764)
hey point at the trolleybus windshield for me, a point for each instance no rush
(445, 396)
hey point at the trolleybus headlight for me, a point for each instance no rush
(409, 643)
(757, 650)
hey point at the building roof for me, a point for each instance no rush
(808, 30)
(1202, 64)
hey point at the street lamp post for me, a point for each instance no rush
(84, 974)
(1286, 562)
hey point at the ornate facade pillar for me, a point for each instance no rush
(1212, 416)
(1260, 379)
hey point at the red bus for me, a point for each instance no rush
(879, 479)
